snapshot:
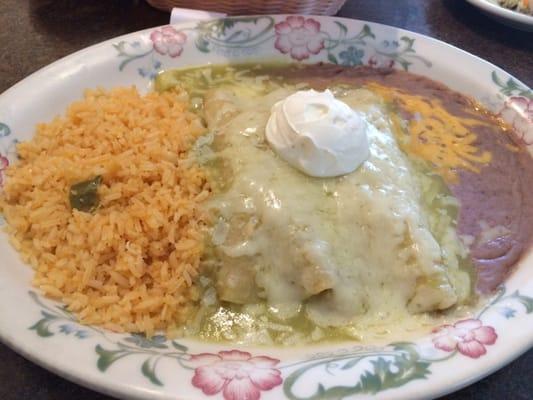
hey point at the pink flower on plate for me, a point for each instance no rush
(236, 374)
(4, 163)
(168, 40)
(299, 36)
(469, 336)
(380, 61)
(518, 111)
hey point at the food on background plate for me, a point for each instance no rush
(522, 6)
(272, 204)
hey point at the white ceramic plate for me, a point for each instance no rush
(133, 367)
(504, 15)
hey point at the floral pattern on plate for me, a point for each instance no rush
(518, 111)
(7, 152)
(468, 336)
(241, 375)
(235, 373)
(168, 40)
(300, 38)
(517, 107)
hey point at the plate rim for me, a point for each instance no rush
(118, 389)
(502, 12)
(440, 42)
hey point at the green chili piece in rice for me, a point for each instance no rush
(83, 196)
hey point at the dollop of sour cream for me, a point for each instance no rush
(318, 134)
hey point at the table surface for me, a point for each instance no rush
(34, 33)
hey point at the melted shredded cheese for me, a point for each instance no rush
(434, 134)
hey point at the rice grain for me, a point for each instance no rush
(131, 264)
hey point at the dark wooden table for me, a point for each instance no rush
(33, 33)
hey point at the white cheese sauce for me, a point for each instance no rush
(353, 251)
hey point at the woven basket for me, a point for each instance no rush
(243, 7)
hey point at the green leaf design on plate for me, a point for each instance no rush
(202, 44)
(406, 54)
(157, 341)
(42, 327)
(511, 87)
(408, 367)
(366, 32)
(405, 64)
(526, 301)
(121, 48)
(179, 347)
(342, 28)
(409, 42)
(351, 363)
(153, 355)
(4, 130)
(216, 33)
(225, 24)
(383, 368)
(388, 370)
(332, 59)
(106, 358)
(508, 312)
(148, 370)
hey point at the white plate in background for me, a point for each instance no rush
(504, 15)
